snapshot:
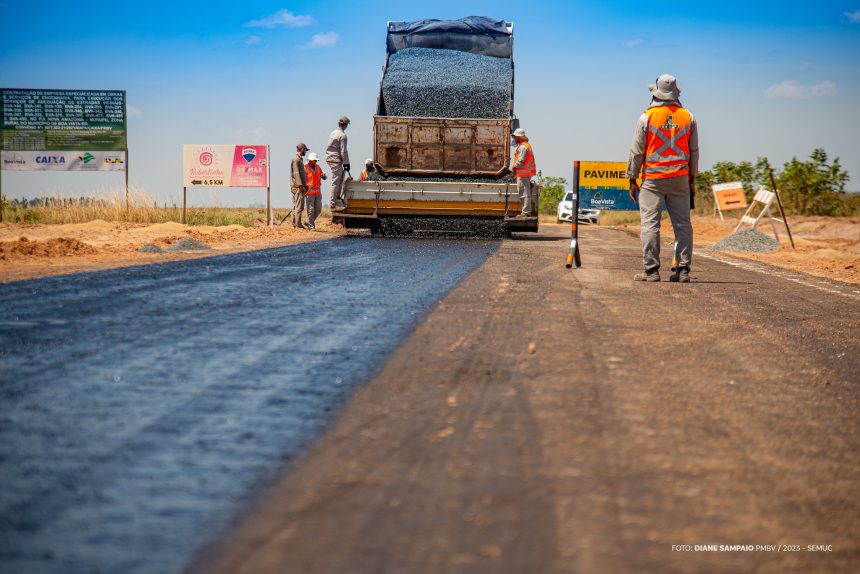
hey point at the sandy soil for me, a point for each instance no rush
(825, 246)
(28, 251)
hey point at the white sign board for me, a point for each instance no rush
(63, 160)
(225, 165)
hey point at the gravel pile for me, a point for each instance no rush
(428, 82)
(188, 244)
(150, 248)
(509, 178)
(747, 240)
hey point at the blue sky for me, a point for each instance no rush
(772, 79)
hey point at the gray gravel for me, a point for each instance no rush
(747, 240)
(150, 248)
(507, 178)
(428, 82)
(442, 227)
(188, 244)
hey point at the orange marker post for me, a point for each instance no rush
(573, 251)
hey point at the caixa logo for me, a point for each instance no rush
(51, 159)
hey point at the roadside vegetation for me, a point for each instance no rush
(141, 209)
(815, 186)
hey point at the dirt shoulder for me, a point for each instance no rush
(28, 251)
(555, 421)
(825, 246)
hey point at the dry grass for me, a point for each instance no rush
(141, 209)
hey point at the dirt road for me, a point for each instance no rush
(542, 420)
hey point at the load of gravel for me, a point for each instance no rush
(748, 240)
(436, 83)
(188, 244)
(150, 248)
(507, 178)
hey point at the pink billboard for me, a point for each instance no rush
(226, 165)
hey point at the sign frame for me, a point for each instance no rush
(205, 165)
(54, 124)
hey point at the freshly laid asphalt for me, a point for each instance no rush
(142, 408)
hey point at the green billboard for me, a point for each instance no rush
(62, 120)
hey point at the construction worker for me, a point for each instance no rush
(666, 149)
(524, 169)
(368, 169)
(298, 184)
(337, 159)
(314, 175)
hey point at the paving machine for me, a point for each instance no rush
(441, 175)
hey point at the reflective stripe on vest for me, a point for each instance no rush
(364, 175)
(528, 169)
(314, 179)
(667, 142)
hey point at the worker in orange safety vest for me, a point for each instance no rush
(313, 198)
(368, 169)
(665, 149)
(524, 169)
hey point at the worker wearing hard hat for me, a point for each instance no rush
(298, 184)
(524, 169)
(337, 159)
(313, 198)
(368, 169)
(666, 149)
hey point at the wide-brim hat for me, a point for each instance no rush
(666, 88)
(313, 157)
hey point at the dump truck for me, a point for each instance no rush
(441, 174)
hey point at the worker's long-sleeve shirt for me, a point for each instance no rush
(335, 151)
(640, 138)
(297, 172)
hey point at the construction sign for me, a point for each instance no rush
(225, 165)
(604, 185)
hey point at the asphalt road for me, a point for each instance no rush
(544, 420)
(142, 408)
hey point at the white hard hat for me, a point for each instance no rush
(367, 161)
(520, 133)
(313, 157)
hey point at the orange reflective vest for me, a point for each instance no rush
(364, 175)
(528, 169)
(314, 174)
(667, 142)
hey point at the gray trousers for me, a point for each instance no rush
(314, 205)
(524, 190)
(675, 191)
(336, 181)
(298, 204)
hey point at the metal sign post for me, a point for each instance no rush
(184, 202)
(573, 250)
(126, 180)
(268, 194)
(779, 203)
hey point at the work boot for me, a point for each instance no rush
(649, 276)
(681, 275)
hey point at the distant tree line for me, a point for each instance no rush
(812, 187)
